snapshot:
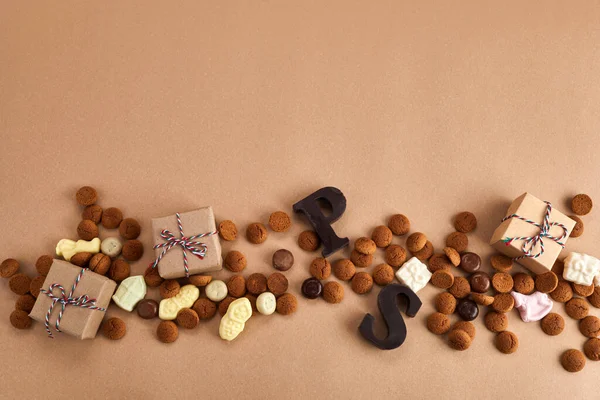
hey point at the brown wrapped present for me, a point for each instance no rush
(186, 244)
(532, 233)
(81, 295)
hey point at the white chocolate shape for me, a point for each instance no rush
(68, 248)
(187, 296)
(581, 268)
(216, 290)
(266, 303)
(234, 321)
(414, 274)
(130, 292)
(111, 246)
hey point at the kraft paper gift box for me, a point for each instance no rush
(79, 321)
(531, 209)
(197, 222)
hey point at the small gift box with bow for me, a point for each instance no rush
(533, 233)
(186, 244)
(73, 300)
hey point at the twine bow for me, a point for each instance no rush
(187, 244)
(82, 301)
(530, 242)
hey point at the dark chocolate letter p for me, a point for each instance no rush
(322, 224)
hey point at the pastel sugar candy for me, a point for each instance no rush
(186, 298)
(532, 307)
(130, 292)
(581, 268)
(414, 274)
(234, 321)
(68, 248)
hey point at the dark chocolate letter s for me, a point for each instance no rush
(386, 300)
(322, 224)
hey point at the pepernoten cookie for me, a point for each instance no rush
(445, 303)
(399, 224)
(309, 241)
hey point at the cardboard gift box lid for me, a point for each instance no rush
(194, 223)
(76, 321)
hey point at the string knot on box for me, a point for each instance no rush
(186, 243)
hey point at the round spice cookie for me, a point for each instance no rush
(590, 326)
(523, 283)
(442, 279)
(87, 230)
(502, 282)
(361, 260)
(582, 204)
(256, 233)
(382, 236)
(25, 303)
(187, 318)
(416, 242)
(36, 285)
(503, 302)
(546, 282)
(287, 304)
(459, 340)
(395, 255)
(81, 259)
(563, 292)
(333, 292)
(578, 228)
(460, 288)
(482, 299)
(130, 229)
(466, 326)
(114, 328)
(169, 288)
(224, 305)
(201, 280)
(591, 348)
(93, 213)
(383, 274)
(309, 241)
(425, 253)
(235, 261)
(256, 284)
(445, 303)
(465, 222)
(283, 260)
(507, 342)
(42, 265)
(439, 262)
(501, 263)
(438, 323)
(577, 308)
(344, 269)
(152, 278)
(453, 256)
(228, 230)
(362, 283)
(280, 221)
(167, 331)
(594, 299)
(100, 263)
(458, 241)
(10, 266)
(572, 360)
(320, 268)
(583, 290)
(132, 250)
(236, 286)
(496, 322)
(277, 283)
(86, 196)
(119, 270)
(205, 308)
(19, 284)
(365, 245)
(552, 324)
(399, 224)
(20, 319)
(111, 218)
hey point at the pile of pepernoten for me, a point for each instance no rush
(73, 291)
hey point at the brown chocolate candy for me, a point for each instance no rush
(283, 260)
(480, 282)
(470, 262)
(147, 309)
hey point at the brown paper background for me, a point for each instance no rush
(426, 108)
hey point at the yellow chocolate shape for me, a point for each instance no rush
(187, 296)
(68, 248)
(234, 321)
